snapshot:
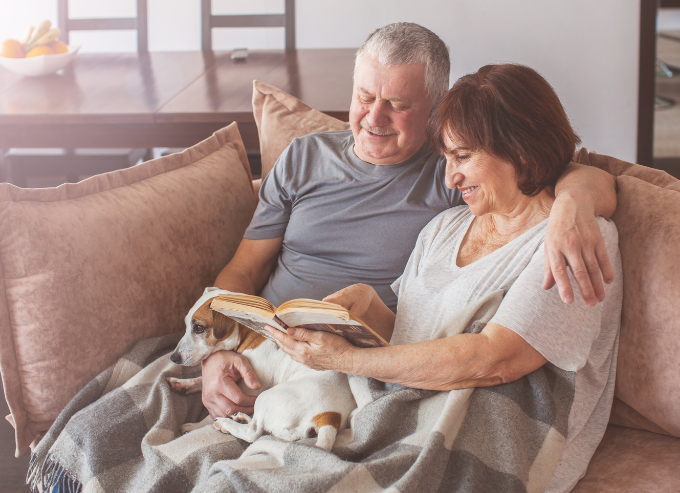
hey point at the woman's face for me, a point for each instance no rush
(488, 184)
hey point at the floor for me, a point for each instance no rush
(667, 112)
(12, 470)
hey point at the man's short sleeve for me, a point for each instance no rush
(563, 334)
(273, 210)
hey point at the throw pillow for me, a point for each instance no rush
(281, 118)
(88, 269)
(648, 220)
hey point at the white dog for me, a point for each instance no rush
(294, 401)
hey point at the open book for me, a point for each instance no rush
(255, 312)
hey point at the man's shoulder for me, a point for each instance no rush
(311, 155)
(333, 139)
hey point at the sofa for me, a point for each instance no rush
(88, 269)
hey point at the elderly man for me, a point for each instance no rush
(345, 207)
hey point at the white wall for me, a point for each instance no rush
(669, 19)
(587, 49)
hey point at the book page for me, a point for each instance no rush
(244, 303)
(313, 306)
(356, 333)
(296, 319)
(253, 321)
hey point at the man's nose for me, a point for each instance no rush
(377, 116)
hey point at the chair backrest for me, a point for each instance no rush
(209, 21)
(138, 23)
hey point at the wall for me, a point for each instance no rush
(587, 50)
(669, 19)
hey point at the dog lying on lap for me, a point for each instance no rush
(294, 401)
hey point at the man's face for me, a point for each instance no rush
(389, 111)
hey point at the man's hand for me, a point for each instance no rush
(221, 394)
(573, 239)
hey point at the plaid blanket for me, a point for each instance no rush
(120, 433)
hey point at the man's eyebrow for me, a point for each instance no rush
(398, 100)
(392, 100)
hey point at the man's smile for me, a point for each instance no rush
(376, 131)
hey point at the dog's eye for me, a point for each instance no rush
(198, 329)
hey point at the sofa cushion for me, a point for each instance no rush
(633, 461)
(281, 118)
(88, 269)
(648, 221)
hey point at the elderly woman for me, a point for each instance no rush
(500, 126)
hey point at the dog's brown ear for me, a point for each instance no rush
(222, 325)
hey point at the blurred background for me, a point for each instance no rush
(587, 50)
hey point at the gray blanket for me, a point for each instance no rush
(120, 433)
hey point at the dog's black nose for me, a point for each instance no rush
(176, 358)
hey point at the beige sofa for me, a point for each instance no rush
(88, 269)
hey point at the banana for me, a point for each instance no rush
(42, 28)
(48, 37)
(28, 36)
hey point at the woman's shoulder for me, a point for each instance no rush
(457, 213)
(450, 217)
(609, 233)
(446, 223)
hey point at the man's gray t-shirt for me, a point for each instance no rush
(344, 221)
(575, 337)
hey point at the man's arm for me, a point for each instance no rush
(247, 272)
(573, 237)
(250, 267)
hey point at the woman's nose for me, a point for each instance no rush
(453, 177)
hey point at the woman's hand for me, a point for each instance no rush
(363, 301)
(356, 298)
(315, 349)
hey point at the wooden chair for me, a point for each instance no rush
(71, 165)
(210, 21)
(138, 23)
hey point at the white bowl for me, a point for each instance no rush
(39, 65)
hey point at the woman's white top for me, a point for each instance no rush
(573, 337)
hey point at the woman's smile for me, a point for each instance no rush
(467, 191)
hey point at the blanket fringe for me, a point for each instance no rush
(50, 476)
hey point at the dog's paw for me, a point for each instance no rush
(219, 424)
(176, 384)
(242, 418)
(185, 385)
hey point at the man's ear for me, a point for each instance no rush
(222, 325)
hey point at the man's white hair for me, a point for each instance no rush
(406, 43)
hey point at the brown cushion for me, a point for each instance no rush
(281, 118)
(87, 269)
(633, 461)
(648, 220)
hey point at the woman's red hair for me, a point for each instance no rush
(512, 112)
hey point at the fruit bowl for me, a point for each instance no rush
(39, 65)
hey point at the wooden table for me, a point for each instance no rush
(163, 99)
